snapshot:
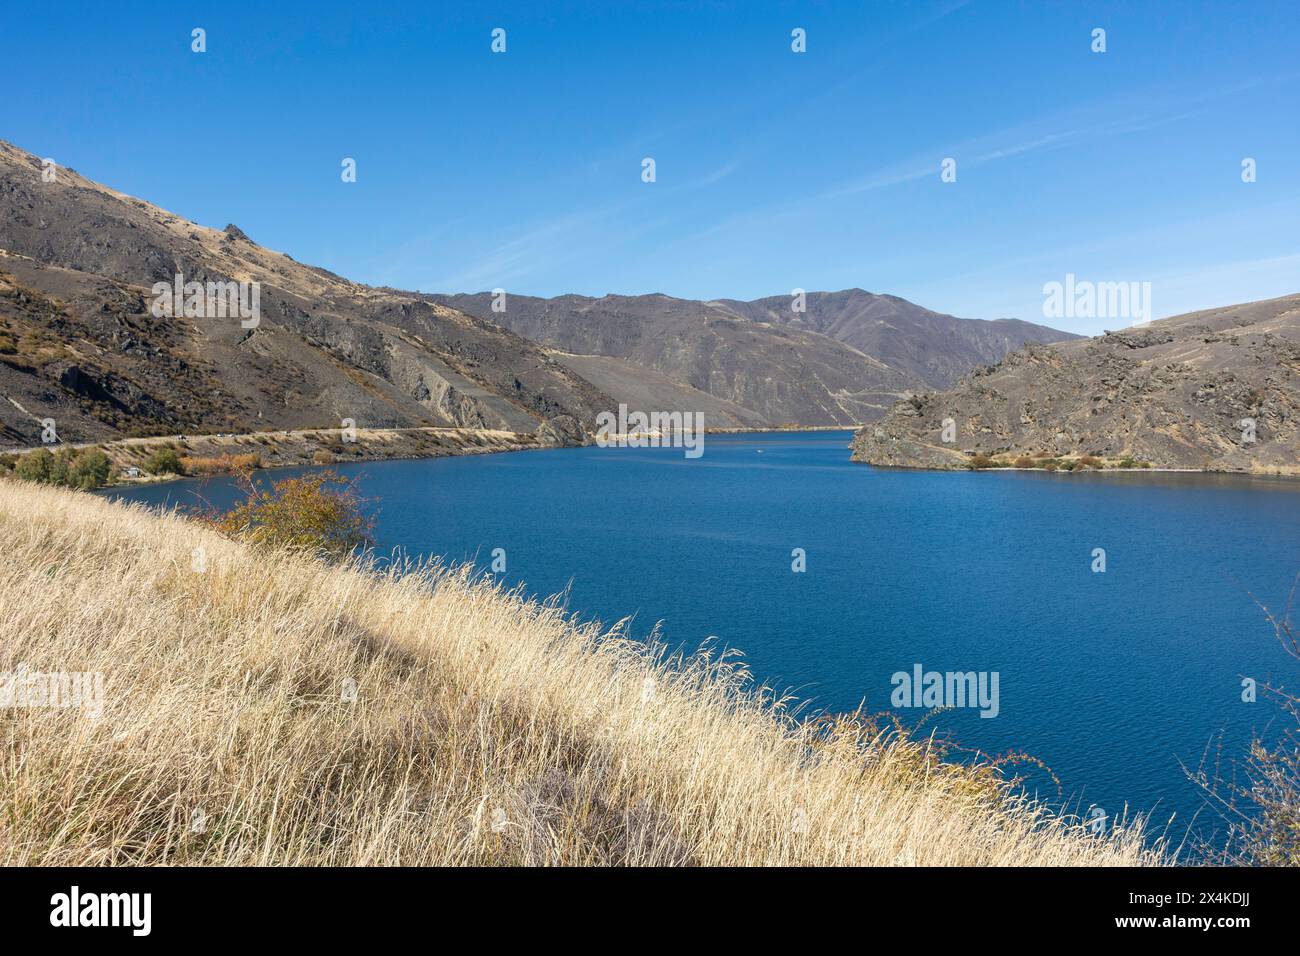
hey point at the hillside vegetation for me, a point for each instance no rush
(261, 708)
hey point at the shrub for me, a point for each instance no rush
(164, 461)
(89, 470)
(1051, 464)
(1024, 461)
(60, 466)
(1088, 461)
(86, 470)
(35, 466)
(318, 513)
(322, 457)
(1127, 463)
(981, 461)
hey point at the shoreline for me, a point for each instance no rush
(1282, 476)
(222, 455)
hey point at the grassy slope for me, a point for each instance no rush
(486, 730)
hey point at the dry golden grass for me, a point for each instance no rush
(485, 730)
(221, 464)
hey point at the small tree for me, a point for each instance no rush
(61, 466)
(164, 461)
(319, 513)
(35, 466)
(90, 470)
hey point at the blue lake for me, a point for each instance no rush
(1115, 680)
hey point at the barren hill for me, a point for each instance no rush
(79, 342)
(1218, 389)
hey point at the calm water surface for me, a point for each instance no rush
(1115, 680)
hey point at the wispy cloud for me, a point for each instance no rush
(540, 248)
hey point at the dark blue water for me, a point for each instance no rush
(1110, 678)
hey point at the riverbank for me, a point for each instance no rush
(924, 456)
(259, 708)
(202, 455)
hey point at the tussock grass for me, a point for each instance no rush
(484, 730)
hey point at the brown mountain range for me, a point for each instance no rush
(845, 359)
(79, 342)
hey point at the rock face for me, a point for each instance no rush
(562, 431)
(1217, 390)
(80, 343)
(845, 360)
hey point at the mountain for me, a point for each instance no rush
(935, 348)
(681, 354)
(80, 343)
(846, 360)
(1184, 392)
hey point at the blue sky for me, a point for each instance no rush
(775, 170)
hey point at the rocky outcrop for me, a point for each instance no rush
(562, 431)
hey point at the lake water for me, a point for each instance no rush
(1112, 678)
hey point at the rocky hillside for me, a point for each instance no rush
(1185, 392)
(845, 360)
(79, 342)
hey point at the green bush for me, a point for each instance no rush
(35, 466)
(61, 466)
(90, 470)
(87, 470)
(164, 461)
